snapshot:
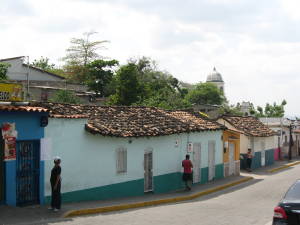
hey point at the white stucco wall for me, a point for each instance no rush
(17, 71)
(90, 160)
(264, 143)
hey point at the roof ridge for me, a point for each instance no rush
(17, 57)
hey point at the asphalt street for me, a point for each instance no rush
(247, 204)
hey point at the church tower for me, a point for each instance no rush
(215, 78)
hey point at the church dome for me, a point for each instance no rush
(214, 76)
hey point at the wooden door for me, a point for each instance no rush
(231, 158)
(197, 163)
(148, 171)
(211, 160)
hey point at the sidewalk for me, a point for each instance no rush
(41, 215)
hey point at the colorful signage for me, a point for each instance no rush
(11, 92)
(9, 135)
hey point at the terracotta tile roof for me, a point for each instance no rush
(124, 121)
(63, 110)
(10, 108)
(144, 121)
(249, 125)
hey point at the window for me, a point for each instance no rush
(121, 155)
(294, 192)
(44, 96)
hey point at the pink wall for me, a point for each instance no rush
(276, 154)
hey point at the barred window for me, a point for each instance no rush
(121, 160)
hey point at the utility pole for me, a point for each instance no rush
(290, 141)
(27, 94)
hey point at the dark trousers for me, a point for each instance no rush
(56, 196)
(249, 162)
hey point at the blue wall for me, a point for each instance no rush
(28, 128)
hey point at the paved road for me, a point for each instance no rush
(246, 204)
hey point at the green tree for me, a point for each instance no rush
(3, 70)
(65, 96)
(127, 86)
(206, 93)
(100, 77)
(43, 63)
(158, 88)
(274, 110)
(230, 110)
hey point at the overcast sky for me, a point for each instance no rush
(254, 44)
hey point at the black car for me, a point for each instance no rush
(288, 210)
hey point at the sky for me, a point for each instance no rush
(254, 44)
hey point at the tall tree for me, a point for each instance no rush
(127, 86)
(3, 70)
(206, 93)
(100, 76)
(82, 50)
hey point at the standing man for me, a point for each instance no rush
(55, 181)
(187, 172)
(249, 159)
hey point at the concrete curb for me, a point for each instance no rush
(283, 167)
(104, 209)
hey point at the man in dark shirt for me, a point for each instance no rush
(55, 181)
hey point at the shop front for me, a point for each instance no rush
(21, 167)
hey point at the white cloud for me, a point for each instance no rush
(254, 44)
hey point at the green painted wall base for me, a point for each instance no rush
(126, 189)
(168, 182)
(162, 184)
(204, 175)
(219, 171)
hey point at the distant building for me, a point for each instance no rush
(216, 78)
(281, 127)
(245, 108)
(43, 84)
(18, 70)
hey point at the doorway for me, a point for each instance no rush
(263, 153)
(263, 158)
(211, 160)
(231, 158)
(148, 171)
(28, 170)
(197, 163)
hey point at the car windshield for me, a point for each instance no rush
(294, 192)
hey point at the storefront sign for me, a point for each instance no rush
(10, 148)
(11, 92)
(9, 134)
